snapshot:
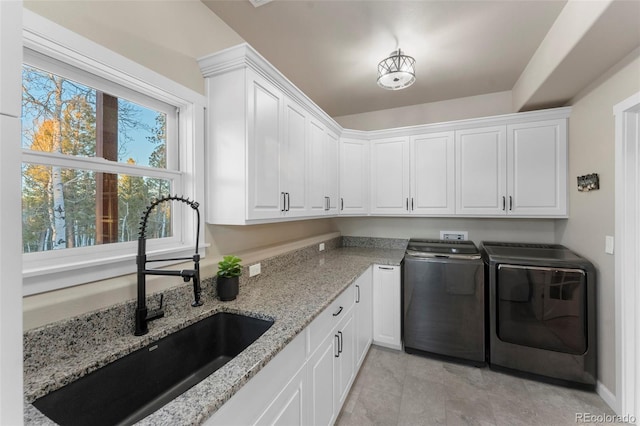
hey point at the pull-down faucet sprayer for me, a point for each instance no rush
(143, 315)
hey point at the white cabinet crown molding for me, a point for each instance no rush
(242, 56)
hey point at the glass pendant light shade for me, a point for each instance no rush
(397, 71)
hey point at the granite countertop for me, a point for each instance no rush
(292, 296)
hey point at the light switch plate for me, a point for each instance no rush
(321, 247)
(254, 270)
(608, 244)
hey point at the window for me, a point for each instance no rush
(99, 143)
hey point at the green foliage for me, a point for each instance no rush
(229, 267)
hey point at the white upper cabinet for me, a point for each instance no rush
(433, 174)
(390, 176)
(322, 179)
(413, 175)
(537, 168)
(481, 171)
(293, 160)
(354, 177)
(273, 155)
(265, 135)
(332, 169)
(513, 170)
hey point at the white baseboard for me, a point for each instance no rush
(608, 397)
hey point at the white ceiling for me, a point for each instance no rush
(330, 48)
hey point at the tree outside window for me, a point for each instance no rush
(67, 207)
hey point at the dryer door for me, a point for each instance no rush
(542, 307)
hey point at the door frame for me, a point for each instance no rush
(627, 250)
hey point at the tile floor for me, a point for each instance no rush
(395, 388)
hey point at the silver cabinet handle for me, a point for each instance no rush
(336, 353)
(340, 342)
(284, 202)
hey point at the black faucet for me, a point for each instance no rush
(143, 315)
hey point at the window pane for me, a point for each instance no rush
(66, 208)
(58, 115)
(63, 116)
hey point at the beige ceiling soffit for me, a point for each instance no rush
(574, 21)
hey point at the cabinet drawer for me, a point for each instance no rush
(330, 317)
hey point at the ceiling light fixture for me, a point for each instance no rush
(397, 71)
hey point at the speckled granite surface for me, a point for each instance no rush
(293, 291)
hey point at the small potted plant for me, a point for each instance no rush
(229, 271)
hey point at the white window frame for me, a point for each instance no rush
(56, 269)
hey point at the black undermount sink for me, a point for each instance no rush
(131, 388)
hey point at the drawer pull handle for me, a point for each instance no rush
(336, 353)
(388, 268)
(357, 293)
(338, 313)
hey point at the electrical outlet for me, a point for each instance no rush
(454, 235)
(254, 270)
(321, 247)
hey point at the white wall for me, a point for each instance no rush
(165, 36)
(434, 112)
(591, 150)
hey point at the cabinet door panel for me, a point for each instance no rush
(289, 407)
(354, 179)
(332, 155)
(294, 160)
(390, 176)
(433, 174)
(481, 171)
(537, 168)
(265, 109)
(321, 380)
(364, 315)
(386, 306)
(316, 175)
(345, 363)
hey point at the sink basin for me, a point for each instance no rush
(131, 388)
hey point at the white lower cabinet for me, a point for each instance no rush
(363, 315)
(309, 380)
(321, 376)
(386, 306)
(290, 406)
